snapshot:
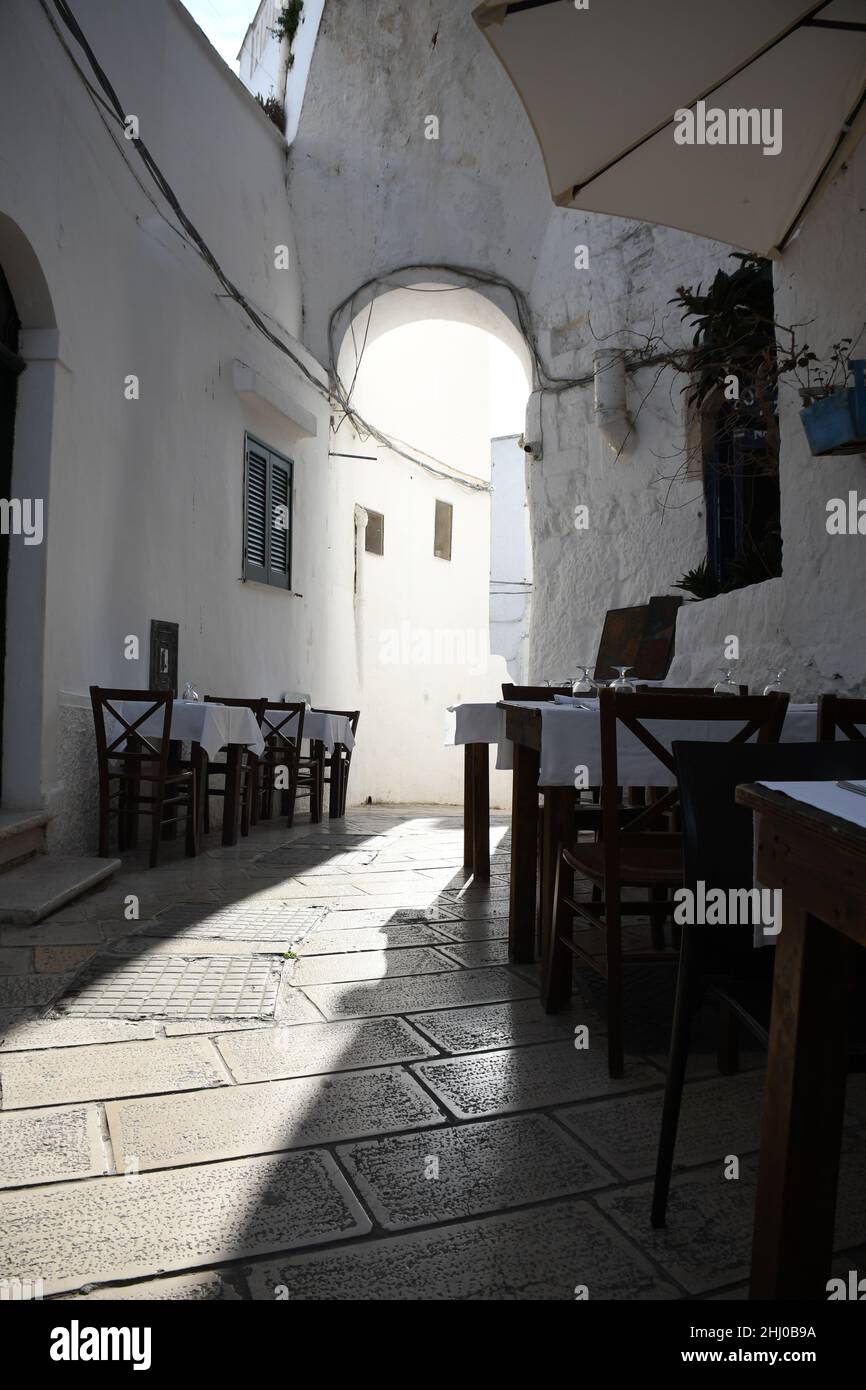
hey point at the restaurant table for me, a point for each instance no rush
(208, 727)
(333, 731)
(544, 743)
(817, 857)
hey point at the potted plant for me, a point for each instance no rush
(834, 413)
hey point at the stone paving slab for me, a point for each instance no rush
(207, 1287)
(60, 960)
(38, 1146)
(484, 907)
(199, 1126)
(707, 1239)
(318, 888)
(54, 933)
(353, 919)
(476, 929)
(183, 945)
(176, 987)
(25, 991)
(492, 1026)
(524, 1078)
(717, 1118)
(474, 953)
(264, 922)
(304, 859)
(466, 1170)
(218, 1026)
(370, 965)
(540, 1254)
(30, 1034)
(328, 942)
(51, 1077)
(174, 1220)
(14, 960)
(312, 1048)
(416, 993)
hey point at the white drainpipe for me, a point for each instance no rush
(611, 413)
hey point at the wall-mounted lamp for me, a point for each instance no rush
(611, 413)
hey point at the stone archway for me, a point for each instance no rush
(28, 728)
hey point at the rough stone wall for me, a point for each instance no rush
(370, 193)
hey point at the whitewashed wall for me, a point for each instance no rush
(812, 620)
(371, 193)
(510, 557)
(144, 498)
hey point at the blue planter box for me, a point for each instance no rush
(837, 424)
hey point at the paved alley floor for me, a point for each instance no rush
(302, 1069)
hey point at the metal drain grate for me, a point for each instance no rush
(278, 923)
(176, 988)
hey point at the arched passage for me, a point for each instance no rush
(25, 458)
(442, 375)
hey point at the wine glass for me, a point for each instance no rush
(775, 685)
(622, 685)
(583, 685)
(190, 694)
(727, 685)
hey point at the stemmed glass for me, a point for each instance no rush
(727, 685)
(775, 685)
(622, 685)
(583, 685)
(190, 694)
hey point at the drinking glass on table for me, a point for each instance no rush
(622, 685)
(583, 685)
(727, 685)
(775, 685)
(190, 694)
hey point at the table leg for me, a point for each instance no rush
(468, 809)
(232, 798)
(558, 828)
(336, 782)
(804, 1098)
(480, 811)
(524, 855)
(199, 761)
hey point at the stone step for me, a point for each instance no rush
(41, 885)
(22, 834)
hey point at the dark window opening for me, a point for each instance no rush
(741, 484)
(442, 530)
(374, 536)
(267, 515)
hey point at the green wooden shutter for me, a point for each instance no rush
(267, 516)
(280, 513)
(256, 514)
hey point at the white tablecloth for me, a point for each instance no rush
(212, 726)
(571, 738)
(329, 729)
(825, 796)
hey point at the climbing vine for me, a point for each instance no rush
(287, 24)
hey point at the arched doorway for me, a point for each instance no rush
(29, 361)
(11, 366)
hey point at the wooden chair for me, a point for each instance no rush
(283, 730)
(219, 769)
(631, 853)
(336, 765)
(718, 851)
(838, 712)
(683, 690)
(129, 760)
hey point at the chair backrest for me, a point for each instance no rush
(283, 724)
(718, 833)
(258, 707)
(761, 715)
(838, 712)
(531, 692)
(683, 690)
(353, 714)
(115, 742)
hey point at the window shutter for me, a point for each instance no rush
(280, 549)
(256, 514)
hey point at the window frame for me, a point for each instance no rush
(254, 573)
(381, 517)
